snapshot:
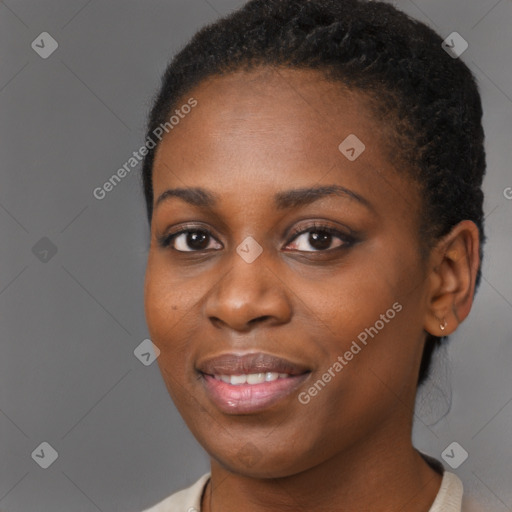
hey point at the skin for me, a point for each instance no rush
(254, 134)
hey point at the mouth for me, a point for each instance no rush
(250, 383)
(251, 378)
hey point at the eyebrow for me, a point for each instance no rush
(202, 198)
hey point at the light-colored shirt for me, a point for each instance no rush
(448, 499)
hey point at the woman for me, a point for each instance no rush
(314, 196)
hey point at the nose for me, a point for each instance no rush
(248, 294)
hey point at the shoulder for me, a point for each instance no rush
(449, 497)
(186, 500)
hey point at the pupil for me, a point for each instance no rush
(320, 241)
(197, 239)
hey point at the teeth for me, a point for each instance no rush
(252, 378)
(255, 378)
(238, 379)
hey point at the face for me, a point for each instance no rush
(288, 296)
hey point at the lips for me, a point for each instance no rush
(250, 383)
(233, 364)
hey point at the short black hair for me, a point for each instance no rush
(428, 98)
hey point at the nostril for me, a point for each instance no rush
(259, 319)
(217, 322)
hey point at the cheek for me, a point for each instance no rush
(350, 299)
(166, 319)
(157, 305)
(166, 307)
(370, 314)
(167, 298)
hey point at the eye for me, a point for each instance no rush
(188, 240)
(315, 238)
(320, 238)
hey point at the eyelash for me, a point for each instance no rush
(347, 240)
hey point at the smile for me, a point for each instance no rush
(250, 383)
(252, 378)
(245, 398)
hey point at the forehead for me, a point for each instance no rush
(275, 127)
(295, 109)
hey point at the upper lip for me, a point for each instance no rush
(235, 364)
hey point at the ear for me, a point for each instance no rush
(453, 268)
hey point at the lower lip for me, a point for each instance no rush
(250, 398)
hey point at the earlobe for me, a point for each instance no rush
(454, 266)
(439, 327)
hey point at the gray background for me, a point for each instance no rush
(70, 321)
